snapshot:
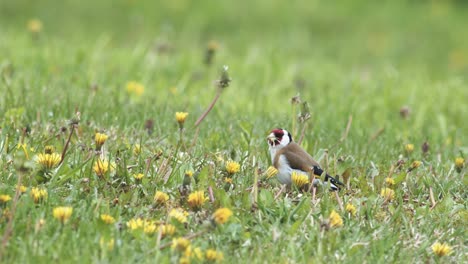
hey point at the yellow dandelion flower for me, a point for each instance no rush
(63, 213)
(271, 172)
(108, 219)
(100, 139)
(48, 161)
(409, 148)
(222, 215)
(335, 219)
(196, 199)
(232, 167)
(459, 162)
(101, 167)
(180, 117)
(189, 173)
(49, 149)
(198, 253)
(184, 260)
(38, 194)
(179, 215)
(150, 228)
(213, 255)
(107, 244)
(135, 88)
(389, 181)
(228, 180)
(167, 230)
(441, 249)
(388, 194)
(138, 177)
(4, 198)
(136, 150)
(415, 164)
(21, 188)
(180, 243)
(160, 198)
(350, 208)
(299, 179)
(213, 45)
(135, 223)
(34, 25)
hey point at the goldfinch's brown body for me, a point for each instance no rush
(287, 157)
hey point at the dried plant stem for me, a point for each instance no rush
(340, 202)
(431, 195)
(200, 119)
(210, 192)
(72, 129)
(302, 133)
(348, 127)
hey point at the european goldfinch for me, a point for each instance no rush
(288, 157)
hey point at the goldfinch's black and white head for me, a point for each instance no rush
(279, 138)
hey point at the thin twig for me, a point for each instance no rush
(376, 135)
(302, 133)
(281, 191)
(340, 202)
(72, 129)
(431, 195)
(200, 119)
(210, 192)
(348, 126)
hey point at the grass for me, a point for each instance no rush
(356, 64)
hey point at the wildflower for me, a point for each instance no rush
(222, 215)
(150, 228)
(409, 148)
(271, 172)
(389, 181)
(299, 179)
(459, 163)
(228, 180)
(415, 164)
(108, 219)
(135, 88)
(48, 161)
(138, 177)
(350, 208)
(180, 243)
(189, 173)
(106, 244)
(21, 188)
(213, 255)
(38, 194)
(388, 194)
(49, 149)
(101, 167)
(179, 215)
(210, 52)
(180, 117)
(136, 150)
(63, 213)
(34, 26)
(4, 198)
(160, 198)
(100, 139)
(197, 252)
(167, 230)
(135, 223)
(197, 199)
(335, 219)
(232, 167)
(441, 249)
(184, 260)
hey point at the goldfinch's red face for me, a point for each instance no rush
(279, 136)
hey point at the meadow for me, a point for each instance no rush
(135, 131)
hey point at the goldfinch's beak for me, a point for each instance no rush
(271, 139)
